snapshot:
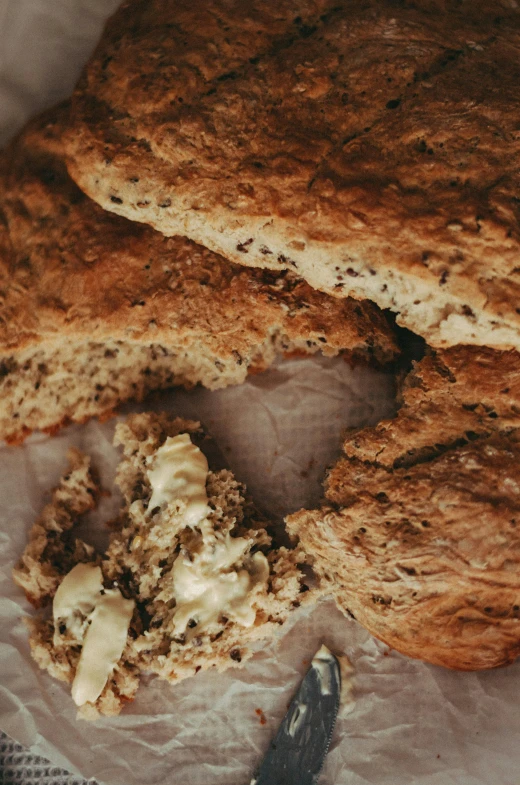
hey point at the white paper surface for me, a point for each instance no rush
(412, 723)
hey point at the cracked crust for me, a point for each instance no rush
(91, 297)
(419, 537)
(372, 147)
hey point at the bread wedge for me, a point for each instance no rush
(96, 310)
(419, 534)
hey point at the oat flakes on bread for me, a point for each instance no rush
(419, 535)
(96, 310)
(369, 146)
(154, 544)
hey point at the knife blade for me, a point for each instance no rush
(297, 752)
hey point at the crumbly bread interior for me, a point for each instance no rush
(45, 388)
(97, 310)
(372, 148)
(143, 550)
(419, 534)
(53, 549)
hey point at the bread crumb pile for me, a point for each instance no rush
(148, 553)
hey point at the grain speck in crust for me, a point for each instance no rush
(96, 310)
(204, 589)
(370, 147)
(419, 534)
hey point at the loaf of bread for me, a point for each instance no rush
(371, 147)
(96, 310)
(419, 537)
(190, 566)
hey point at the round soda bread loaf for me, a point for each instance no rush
(419, 535)
(369, 146)
(153, 545)
(96, 310)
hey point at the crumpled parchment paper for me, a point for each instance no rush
(411, 723)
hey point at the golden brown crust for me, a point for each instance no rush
(418, 538)
(76, 270)
(462, 393)
(427, 558)
(370, 146)
(69, 271)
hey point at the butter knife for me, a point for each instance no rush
(296, 754)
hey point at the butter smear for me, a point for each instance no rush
(207, 582)
(178, 470)
(98, 619)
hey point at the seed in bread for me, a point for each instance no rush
(97, 310)
(369, 147)
(190, 570)
(419, 535)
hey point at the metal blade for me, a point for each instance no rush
(298, 750)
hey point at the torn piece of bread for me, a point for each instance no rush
(53, 548)
(97, 310)
(190, 570)
(419, 537)
(369, 147)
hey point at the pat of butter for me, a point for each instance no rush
(321, 664)
(178, 470)
(98, 619)
(76, 598)
(208, 586)
(103, 645)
